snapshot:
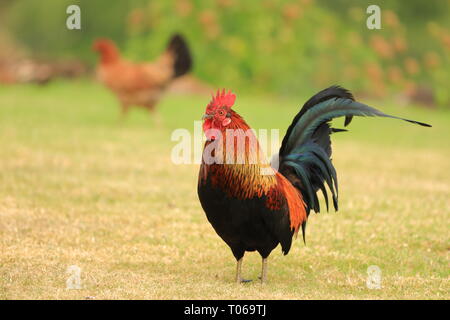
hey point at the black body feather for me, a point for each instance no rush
(245, 224)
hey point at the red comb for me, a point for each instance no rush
(222, 99)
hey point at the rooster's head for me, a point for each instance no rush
(219, 115)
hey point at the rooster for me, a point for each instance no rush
(141, 84)
(253, 206)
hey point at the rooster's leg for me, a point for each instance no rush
(264, 270)
(239, 271)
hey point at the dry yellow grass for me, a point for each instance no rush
(78, 188)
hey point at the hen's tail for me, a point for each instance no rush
(182, 56)
(305, 153)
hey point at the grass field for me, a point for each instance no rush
(79, 187)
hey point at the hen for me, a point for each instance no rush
(141, 84)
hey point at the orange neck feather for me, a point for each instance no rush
(253, 177)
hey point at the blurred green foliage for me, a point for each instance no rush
(281, 46)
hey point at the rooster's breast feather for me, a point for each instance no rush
(277, 202)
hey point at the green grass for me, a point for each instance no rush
(79, 187)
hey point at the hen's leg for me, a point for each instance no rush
(158, 119)
(151, 107)
(124, 109)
